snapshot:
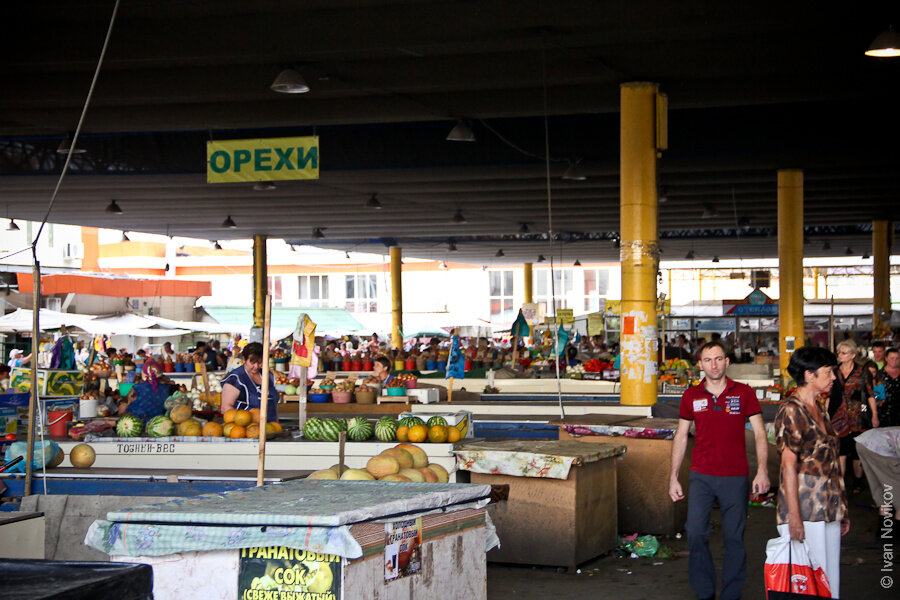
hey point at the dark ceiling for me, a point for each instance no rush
(753, 87)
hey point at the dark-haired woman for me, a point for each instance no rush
(242, 388)
(812, 501)
(889, 410)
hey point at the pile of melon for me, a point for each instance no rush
(403, 462)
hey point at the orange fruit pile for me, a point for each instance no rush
(417, 433)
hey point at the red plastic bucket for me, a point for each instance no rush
(368, 365)
(411, 365)
(56, 421)
(357, 365)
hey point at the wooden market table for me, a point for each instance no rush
(548, 520)
(643, 474)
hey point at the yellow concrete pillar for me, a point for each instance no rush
(396, 297)
(881, 254)
(527, 272)
(790, 265)
(260, 280)
(639, 243)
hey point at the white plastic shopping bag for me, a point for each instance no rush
(790, 571)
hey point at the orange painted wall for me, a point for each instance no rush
(91, 249)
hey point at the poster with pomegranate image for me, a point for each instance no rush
(402, 549)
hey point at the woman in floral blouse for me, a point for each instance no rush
(812, 501)
(851, 397)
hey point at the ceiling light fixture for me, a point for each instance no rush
(458, 217)
(499, 253)
(289, 81)
(744, 223)
(64, 146)
(125, 237)
(12, 225)
(113, 207)
(577, 263)
(616, 243)
(848, 251)
(709, 211)
(373, 202)
(541, 258)
(886, 45)
(716, 258)
(317, 233)
(264, 186)
(229, 223)
(443, 265)
(461, 133)
(523, 229)
(451, 246)
(217, 246)
(347, 255)
(574, 172)
(865, 255)
(689, 255)
(826, 246)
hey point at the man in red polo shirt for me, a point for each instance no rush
(719, 409)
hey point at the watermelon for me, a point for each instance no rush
(129, 425)
(386, 430)
(160, 426)
(437, 421)
(410, 421)
(331, 429)
(359, 429)
(342, 424)
(312, 429)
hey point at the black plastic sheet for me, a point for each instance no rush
(66, 580)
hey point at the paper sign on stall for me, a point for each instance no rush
(402, 548)
(288, 574)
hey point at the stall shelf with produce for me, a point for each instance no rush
(335, 537)
(561, 509)
(162, 455)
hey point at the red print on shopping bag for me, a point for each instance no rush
(791, 572)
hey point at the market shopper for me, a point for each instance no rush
(381, 368)
(878, 351)
(889, 409)
(851, 405)
(719, 408)
(242, 387)
(17, 360)
(812, 501)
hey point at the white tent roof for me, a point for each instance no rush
(119, 324)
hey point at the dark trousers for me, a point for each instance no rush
(733, 496)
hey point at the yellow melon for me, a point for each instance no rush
(212, 429)
(356, 475)
(403, 457)
(182, 427)
(412, 475)
(420, 459)
(429, 475)
(180, 413)
(394, 477)
(441, 472)
(82, 456)
(382, 465)
(323, 474)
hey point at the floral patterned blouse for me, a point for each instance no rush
(848, 417)
(821, 485)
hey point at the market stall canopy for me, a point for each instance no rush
(21, 320)
(119, 324)
(419, 325)
(284, 319)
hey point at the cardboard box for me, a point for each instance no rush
(462, 420)
(424, 395)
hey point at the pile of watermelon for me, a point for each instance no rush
(358, 429)
(129, 425)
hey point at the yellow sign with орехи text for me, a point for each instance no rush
(276, 159)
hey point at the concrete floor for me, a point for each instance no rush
(652, 578)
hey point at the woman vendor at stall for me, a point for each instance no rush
(147, 399)
(242, 388)
(381, 368)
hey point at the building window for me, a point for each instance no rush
(314, 290)
(562, 287)
(596, 287)
(362, 293)
(275, 289)
(501, 283)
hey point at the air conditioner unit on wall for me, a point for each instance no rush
(52, 303)
(73, 251)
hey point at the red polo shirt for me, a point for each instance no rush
(719, 423)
